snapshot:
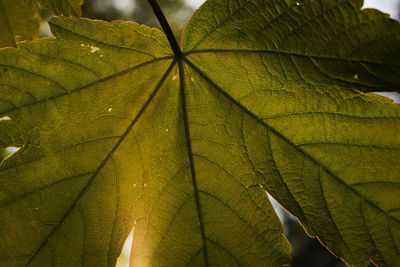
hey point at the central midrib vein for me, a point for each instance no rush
(190, 156)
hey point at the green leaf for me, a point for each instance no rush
(329, 43)
(330, 153)
(65, 7)
(270, 95)
(19, 20)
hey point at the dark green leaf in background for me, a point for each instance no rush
(64, 7)
(20, 19)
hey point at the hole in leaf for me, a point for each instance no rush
(94, 49)
(5, 118)
(124, 257)
(389, 7)
(304, 246)
(45, 30)
(392, 95)
(7, 152)
(280, 211)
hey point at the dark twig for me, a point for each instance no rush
(167, 29)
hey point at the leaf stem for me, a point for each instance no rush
(167, 29)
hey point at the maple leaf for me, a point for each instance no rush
(20, 20)
(119, 129)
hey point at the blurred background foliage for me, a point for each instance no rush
(177, 12)
(307, 252)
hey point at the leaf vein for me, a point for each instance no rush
(106, 159)
(272, 129)
(100, 42)
(329, 212)
(18, 198)
(37, 75)
(286, 53)
(191, 161)
(120, 73)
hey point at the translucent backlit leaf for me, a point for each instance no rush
(65, 7)
(19, 20)
(116, 132)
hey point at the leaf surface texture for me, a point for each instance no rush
(19, 20)
(270, 95)
(65, 7)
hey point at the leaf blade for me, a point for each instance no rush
(66, 8)
(38, 156)
(19, 21)
(308, 33)
(184, 150)
(331, 146)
